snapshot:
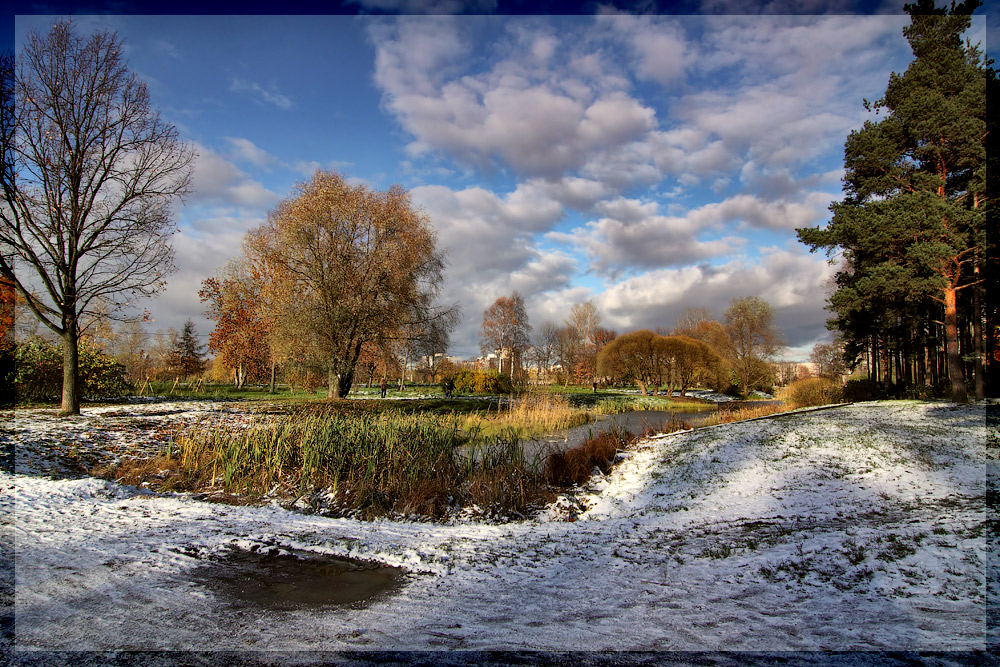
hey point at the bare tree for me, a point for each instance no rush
(506, 330)
(582, 325)
(829, 360)
(132, 349)
(89, 173)
(343, 266)
(584, 319)
(692, 321)
(754, 339)
(543, 347)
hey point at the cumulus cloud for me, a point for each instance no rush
(485, 234)
(524, 112)
(200, 251)
(244, 150)
(658, 45)
(634, 235)
(491, 248)
(218, 181)
(789, 280)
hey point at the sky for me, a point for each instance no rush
(649, 163)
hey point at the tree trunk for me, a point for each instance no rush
(333, 382)
(977, 339)
(272, 377)
(958, 391)
(71, 371)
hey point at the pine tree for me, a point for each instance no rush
(188, 355)
(912, 222)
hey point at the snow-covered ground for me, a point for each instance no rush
(866, 527)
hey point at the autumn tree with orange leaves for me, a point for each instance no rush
(342, 265)
(241, 338)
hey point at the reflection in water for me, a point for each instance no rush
(637, 422)
(279, 580)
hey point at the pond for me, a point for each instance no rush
(277, 579)
(636, 422)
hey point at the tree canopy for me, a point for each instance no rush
(911, 225)
(343, 265)
(752, 340)
(506, 330)
(241, 337)
(89, 173)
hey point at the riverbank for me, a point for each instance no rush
(864, 528)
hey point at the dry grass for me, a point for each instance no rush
(368, 464)
(529, 415)
(575, 466)
(737, 413)
(810, 392)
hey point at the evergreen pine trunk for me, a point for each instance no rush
(958, 391)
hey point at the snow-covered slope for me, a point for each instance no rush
(863, 527)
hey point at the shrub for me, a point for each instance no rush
(813, 391)
(573, 466)
(865, 389)
(38, 372)
(101, 374)
(483, 382)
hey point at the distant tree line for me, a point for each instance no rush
(736, 354)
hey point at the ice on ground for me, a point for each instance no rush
(866, 527)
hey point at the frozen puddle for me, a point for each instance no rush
(285, 581)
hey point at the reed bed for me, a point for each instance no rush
(365, 462)
(527, 416)
(575, 466)
(361, 464)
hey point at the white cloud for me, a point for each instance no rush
(491, 248)
(789, 280)
(270, 95)
(538, 117)
(216, 180)
(244, 150)
(482, 232)
(658, 45)
(634, 235)
(200, 249)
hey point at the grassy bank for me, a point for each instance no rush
(431, 458)
(366, 464)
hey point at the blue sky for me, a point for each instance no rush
(649, 163)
